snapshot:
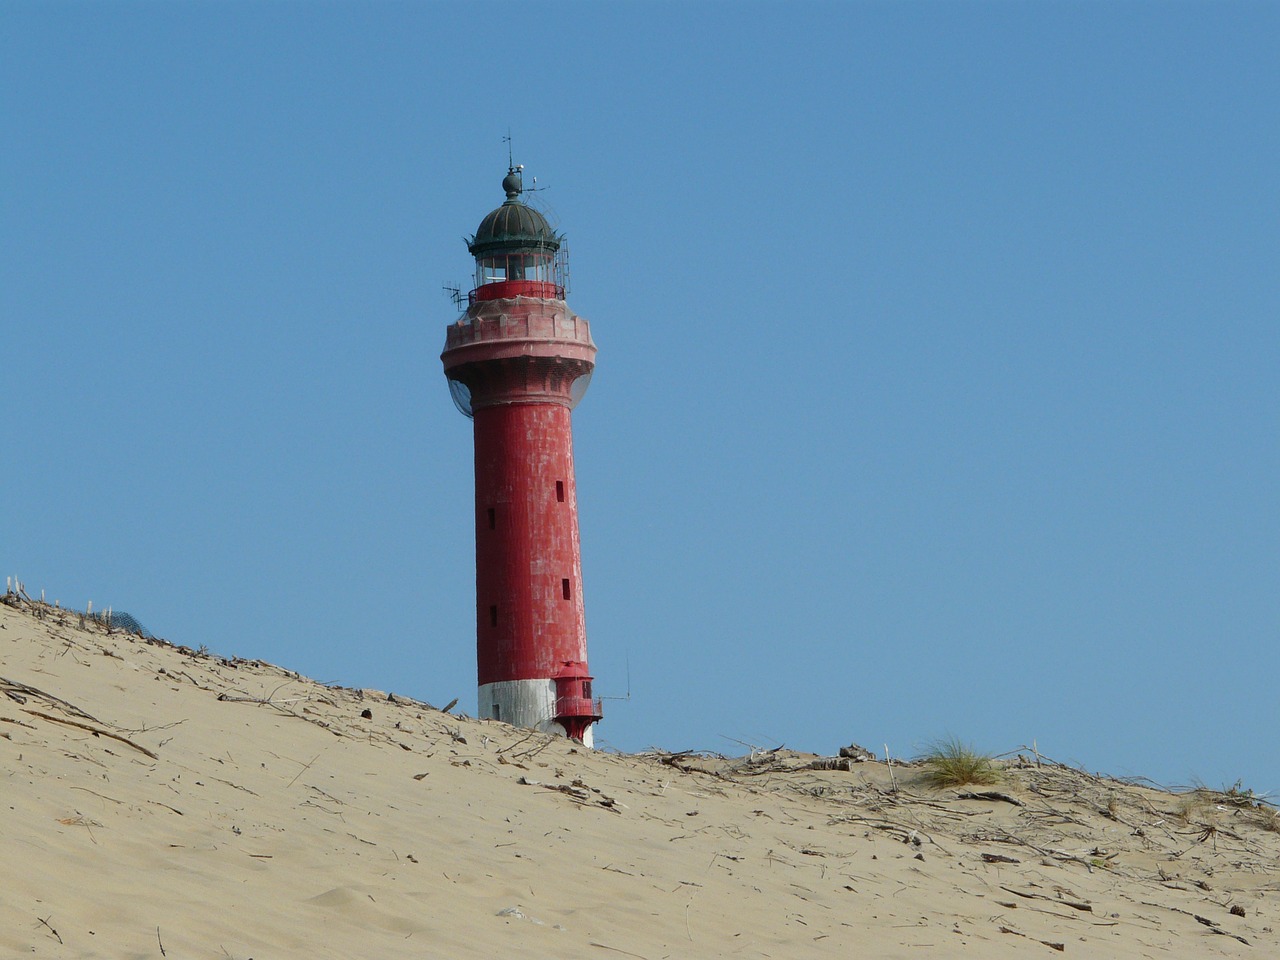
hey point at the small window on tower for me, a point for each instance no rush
(497, 713)
(586, 689)
(566, 589)
(493, 615)
(493, 519)
(560, 491)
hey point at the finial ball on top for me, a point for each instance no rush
(512, 183)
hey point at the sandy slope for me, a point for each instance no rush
(160, 803)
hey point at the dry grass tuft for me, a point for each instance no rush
(1198, 803)
(953, 763)
(1268, 818)
(1204, 805)
(1236, 796)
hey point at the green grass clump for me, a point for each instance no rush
(952, 763)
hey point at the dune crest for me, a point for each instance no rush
(163, 802)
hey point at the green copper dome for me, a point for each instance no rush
(513, 226)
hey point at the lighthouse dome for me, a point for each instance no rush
(513, 226)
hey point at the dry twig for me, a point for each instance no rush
(94, 730)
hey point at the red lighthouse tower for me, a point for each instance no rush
(518, 361)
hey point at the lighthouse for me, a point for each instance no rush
(518, 361)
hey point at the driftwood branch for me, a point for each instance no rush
(990, 795)
(1074, 904)
(1214, 928)
(627, 953)
(96, 731)
(15, 690)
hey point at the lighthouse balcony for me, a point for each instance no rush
(516, 320)
(589, 707)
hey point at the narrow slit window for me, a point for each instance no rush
(560, 491)
(493, 519)
(493, 615)
(566, 589)
(497, 712)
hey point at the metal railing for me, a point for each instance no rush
(579, 707)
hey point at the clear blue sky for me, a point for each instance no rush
(937, 387)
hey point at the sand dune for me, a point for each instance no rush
(164, 803)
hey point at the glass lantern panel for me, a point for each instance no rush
(493, 269)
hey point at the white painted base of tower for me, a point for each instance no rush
(524, 703)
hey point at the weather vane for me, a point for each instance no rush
(513, 167)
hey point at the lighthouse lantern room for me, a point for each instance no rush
(517, 253)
